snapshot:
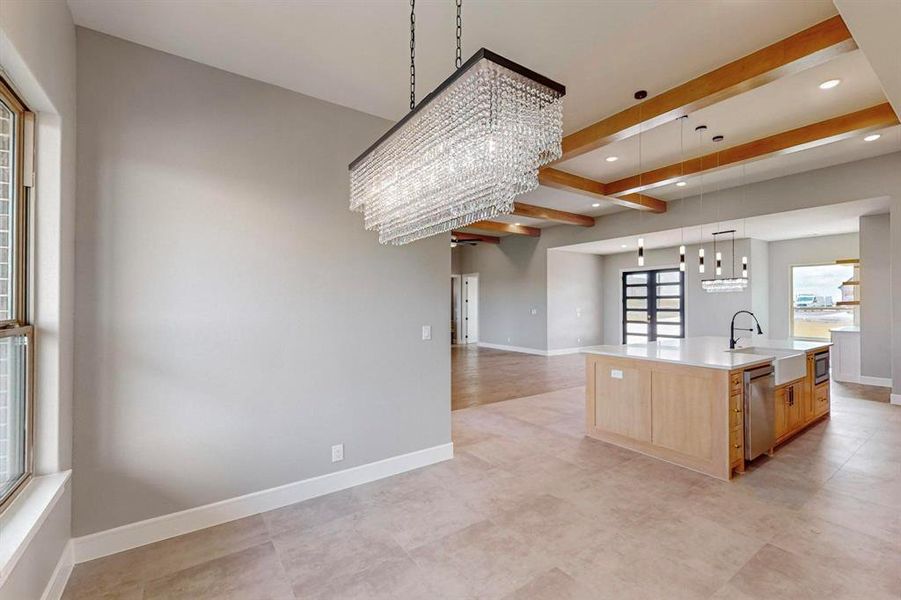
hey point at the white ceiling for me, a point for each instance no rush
(808, 222)
(356, 52)
(784, 104)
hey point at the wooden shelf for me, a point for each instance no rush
(850, 282)
(847, 261)
(848, 303)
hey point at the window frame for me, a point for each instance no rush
(791, 300)
(651, 297)
(19, 325)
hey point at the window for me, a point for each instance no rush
(816, 292)
(653, 305)
(16, 347)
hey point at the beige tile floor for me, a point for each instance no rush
(529, 508)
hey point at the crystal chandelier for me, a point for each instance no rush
(463, 153)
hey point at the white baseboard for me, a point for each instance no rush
(864, 380)
(896, 399)
(133, 535)
(525, 350)
(880, 381)
(562, 351)
(60, 577)
(522, 349)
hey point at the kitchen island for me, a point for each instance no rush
(682, 400)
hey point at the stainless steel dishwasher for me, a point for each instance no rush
(760, 411)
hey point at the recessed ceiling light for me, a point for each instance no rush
(623, 245)
(595, 205)
(828, 85)
(872, 137)
(612, 158)
(681, 183)
(517, 224)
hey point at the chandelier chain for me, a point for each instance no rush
(412, 54)
(459, 59)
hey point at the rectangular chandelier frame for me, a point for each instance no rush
(482, 53)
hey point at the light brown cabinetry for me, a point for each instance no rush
(673, 412)
(821, 399)
(789, 407)
(800, 403)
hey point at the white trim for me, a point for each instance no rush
(522, 349)
(896, 399)
(133, 535)
(864, 380)
(22, 519)
(536, 351)
(57, 584)
(562, 351)
(880, 381)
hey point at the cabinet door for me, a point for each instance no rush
(795, 400)
(781, 412)
(623, 399)
(821, 399)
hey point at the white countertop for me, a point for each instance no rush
(846, 329)
(711, 352)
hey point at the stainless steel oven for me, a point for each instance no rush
(821, 367)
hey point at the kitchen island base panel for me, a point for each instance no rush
(676, 413)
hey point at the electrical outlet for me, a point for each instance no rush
(534, 311)
(616, 373)
(337, 452)
(509, 340)
(579, 340)
(426, 332)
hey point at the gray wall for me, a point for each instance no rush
(233, 318)
(804, 251)
(512, 282)
(896, 299)
(870, 178)
(574, 299)
(876, 294)
(759, 274)
(705, 313)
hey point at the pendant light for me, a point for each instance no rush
(640, 95)
(725, 284)
(701, 129)
(732, 283)
(682, 188)
(464, 153)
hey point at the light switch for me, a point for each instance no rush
(616, 373)
(534, 311)
(426, 332)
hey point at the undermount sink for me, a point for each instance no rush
(788, 365)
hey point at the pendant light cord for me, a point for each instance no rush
(412, 54)
(459, 60)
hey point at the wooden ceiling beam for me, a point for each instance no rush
(462, 236)
(794, 140)
(795, 53)
(506, 228)
(551, 214)
(562, 180)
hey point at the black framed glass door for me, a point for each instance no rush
(653, 305)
